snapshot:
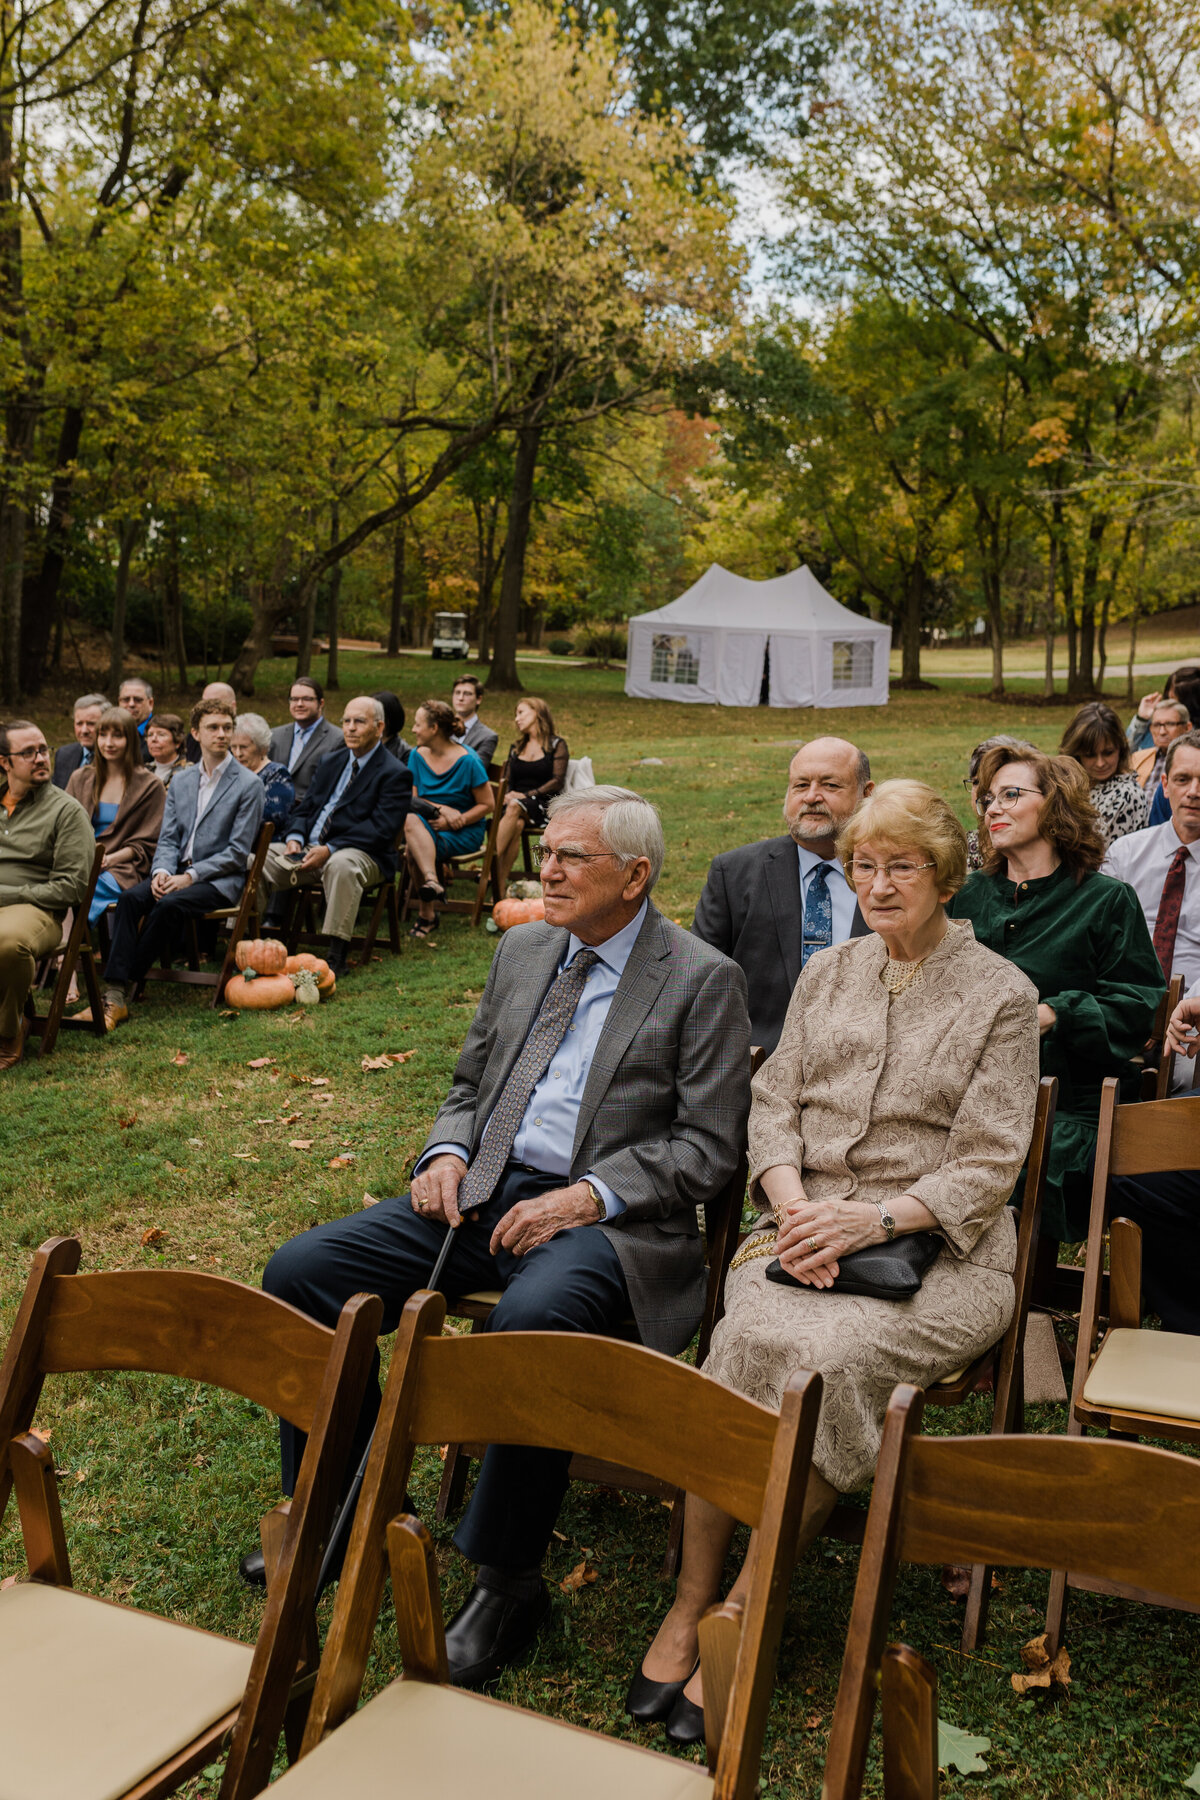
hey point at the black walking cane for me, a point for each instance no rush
(342, 1518)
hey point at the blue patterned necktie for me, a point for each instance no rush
(549, 1030)
(818, 915)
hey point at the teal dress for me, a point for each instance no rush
(1088, 952)
(453, 789)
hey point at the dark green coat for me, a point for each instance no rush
(1088, 952)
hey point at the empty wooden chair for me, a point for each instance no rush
(99, 1700)
(569, 1391)
(1129, 1381)
(1123, 1513)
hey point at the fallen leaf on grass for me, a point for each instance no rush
(580, 1576)
(340, 1162)
(127, 1121)
(261, 1062)
(264, 1121)
(288, 1118)
(41, 1431)
(197, 1143)
(370, 1200)
(300, 1143)
(1042, 1672)
(1193, 1780)
(243, 1156)
(181, 1059)
(320, 1081)
(957, 1749)
(154, 1235)
(388, 1060)
(228, 1013)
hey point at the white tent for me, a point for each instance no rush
(716, 642)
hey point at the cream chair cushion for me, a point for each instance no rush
(415, 1741)
(94, 1696)
(1147, 1371)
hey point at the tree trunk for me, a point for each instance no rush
(42, 595)
(394, 624)
(995, 614)
(910, 626)
(503, 677)
(1068, 593)
(1133, 638)
(1048, 677)
(1085, 673)
(20, 413)
(129, 534)
(1102, 641)
(12, 565)
(305, 632)
(174, 647)
(334, 589)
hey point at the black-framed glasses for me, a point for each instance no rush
(568, 859)
(1005, 798)
(32, 754)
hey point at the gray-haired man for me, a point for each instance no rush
(600, 1097)
(74, 756)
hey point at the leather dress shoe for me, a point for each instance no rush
(12, 1049)
(685, 1725)
(253, 1569)
(490, 1632)
(648, 1701)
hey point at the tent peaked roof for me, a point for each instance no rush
(792, 602)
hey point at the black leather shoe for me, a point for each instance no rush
(337, 955)
(648, 1701)
(686, 1722)
(490, 1633)
(253, 1569)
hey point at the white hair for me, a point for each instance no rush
(255, 727)
(629, 826)
(90, 700)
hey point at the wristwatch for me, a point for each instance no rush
(598, 1198)
(887, 1221)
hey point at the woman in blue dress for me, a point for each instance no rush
(251, 744)
(124, 800)
(452, 798)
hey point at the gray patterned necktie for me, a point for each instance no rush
(549, 1030)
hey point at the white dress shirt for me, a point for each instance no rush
(208, 787)
(300, 737)
(1143, 859)
(546, 1135)
(841, 894)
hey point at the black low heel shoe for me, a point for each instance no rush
(686, 1723)
(648, 1701)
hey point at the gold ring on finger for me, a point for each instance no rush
(813, 1245)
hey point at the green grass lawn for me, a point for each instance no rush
(163, 1484)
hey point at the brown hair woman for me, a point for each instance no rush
(124, 800)
(1095, 740)
(536, 770)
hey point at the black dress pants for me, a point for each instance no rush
(145, 928)
(573, 1283)
(1167, 1207)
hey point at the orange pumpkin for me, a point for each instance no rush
(259, 993)
(266, 956)
(507, 913)
(320, 968)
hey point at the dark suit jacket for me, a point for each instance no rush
(750, 909)
(664, 1109)
(66, 761)
(369, 814)
(325, 738)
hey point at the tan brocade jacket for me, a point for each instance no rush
(931, 1095)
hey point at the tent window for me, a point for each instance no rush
(675, 660)
(853, 664)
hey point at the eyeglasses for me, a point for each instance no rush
(1005, 798)
(567, 859)
(901, 873)
(32, 754)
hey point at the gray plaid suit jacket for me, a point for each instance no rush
(664, 1110)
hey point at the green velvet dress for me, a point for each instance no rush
(1088, 952)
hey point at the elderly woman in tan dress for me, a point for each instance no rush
(900, 1098)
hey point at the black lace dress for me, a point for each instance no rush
(536, 782)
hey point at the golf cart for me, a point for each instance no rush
(450, 635)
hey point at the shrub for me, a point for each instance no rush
(560, 646)
(603, 642)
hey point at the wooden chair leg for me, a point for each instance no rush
(454, 1482)
(1056, 1611)
(978, 1598)
(393, 918)
(909, 1718)
(373, 927)
(192, 942)
(674, 1549)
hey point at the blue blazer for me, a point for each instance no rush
(226, 833)
(370, 814)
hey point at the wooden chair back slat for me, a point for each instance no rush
(200, 1327)
(1155, 1135)
(628, 1406)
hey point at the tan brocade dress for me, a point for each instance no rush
(931, 1093)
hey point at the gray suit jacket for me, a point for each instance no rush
(326, 737)
(225, 835)
(664, 1111)
(482, 739)
(750, 908)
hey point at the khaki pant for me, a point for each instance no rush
(345, 878)
(26, 935)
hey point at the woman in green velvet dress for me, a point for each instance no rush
(1079, 936)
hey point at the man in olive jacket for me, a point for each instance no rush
(46, 853)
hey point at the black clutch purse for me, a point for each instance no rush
(880, 1272)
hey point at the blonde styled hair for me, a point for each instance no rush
(909, 812)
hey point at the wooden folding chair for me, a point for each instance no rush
(382, 896)
(1128, 1381)
(1156, 1080)
(111, 1700)
(604, 1399)
(1127, 1514)
(76, 953)
(236, 920)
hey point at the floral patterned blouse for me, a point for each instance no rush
(1122, 805)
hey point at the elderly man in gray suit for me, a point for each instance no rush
(600, 1097)
(213, 812)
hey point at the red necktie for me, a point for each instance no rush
(1167, 923)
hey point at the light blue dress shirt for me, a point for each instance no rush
(841, 894)
(343, 782)
(546, 1136)
(300, 737)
